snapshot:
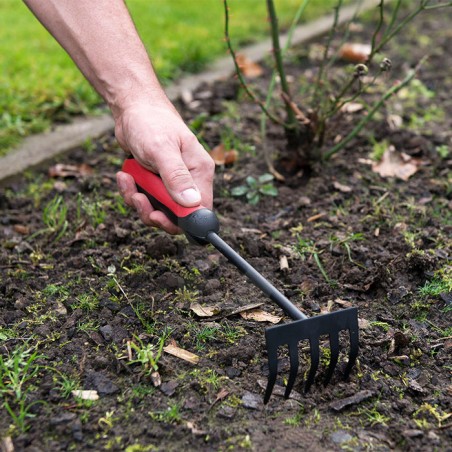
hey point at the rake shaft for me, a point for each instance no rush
(257, 279)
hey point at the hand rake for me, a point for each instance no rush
(201, 226)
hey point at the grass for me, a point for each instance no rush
(40, 85)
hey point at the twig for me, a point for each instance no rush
(239, 72)
(393, 90)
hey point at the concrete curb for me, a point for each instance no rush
(39, 149)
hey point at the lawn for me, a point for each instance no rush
(39, 84)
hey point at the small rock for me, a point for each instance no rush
(212, 286)
(101, 383)
(412, 433)
(233, 372)
(433, 437)
(169, 388)
(340, 437)
(251, 401)
(107, 332)
(396, 295)
(415, 387)
(226, 412)
(170, 281)
(62, 418)
(60, 309)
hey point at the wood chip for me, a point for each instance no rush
(359, 397)
(174, 350)
(316, 217)
(85, 394)
(258, 315)
(341, 187)
(6, 444)
(283, 263)
(344, 303)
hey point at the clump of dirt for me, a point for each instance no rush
(98, 294)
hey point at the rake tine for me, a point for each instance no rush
(334, 346)
(272, 372)
(293, 353)
(354, 348)
(315, 357)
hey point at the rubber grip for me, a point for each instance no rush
(197, 222)
(153, 187)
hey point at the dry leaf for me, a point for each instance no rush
(315, 217)
(195, 430)
(247, 307)
(62, 170)
(351, 107)
(259, 315)
(85, 394)
(204, 311)
(21, 229)
(344, 303)
(355, 52)
(174, 350)
(393, 164)
(248, 68)
(221, 156)
(156, 379)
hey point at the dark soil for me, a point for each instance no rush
(82, 298)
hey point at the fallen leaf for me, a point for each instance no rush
(393, 164)
(195, 430)
(344, 303)
(62, 170)
(247, 307)
(204, 311)
(259, 315)
(351, 107)
(315, 217)
(174, 350)
(85, 394)
(248, 67)
(355, 52)
(359, 397)
(222, 156)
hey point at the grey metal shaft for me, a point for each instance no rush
(258, 280)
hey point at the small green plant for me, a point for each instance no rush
(443, 151)
(171, 415)
(87, 302)
(255, 188)
(297, 418)
(148, 355)
(186, 295)
(18, 370)
(67, 385)
(54, 217)
(345, 243)
(93, 209)
(307, 248)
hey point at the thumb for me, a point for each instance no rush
(179, 183)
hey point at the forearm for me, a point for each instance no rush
(102, 40)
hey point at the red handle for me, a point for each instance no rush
(152, 184)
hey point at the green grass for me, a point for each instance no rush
(40, 85)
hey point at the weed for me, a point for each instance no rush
(308, 248)
(148, 355)
(67, 385)
(87, 302)
(443, 151)
(93, 209)
(86, 327)
(383, 325)
(432, 411)
(185, 295)
(171, 415)
(18, 370)
(54, 217)
(345, 243)
(295, 420)
(255, 187)
(378, 149)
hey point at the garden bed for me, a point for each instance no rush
(91, 294)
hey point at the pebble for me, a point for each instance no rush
(226, 412)
(107, 332)
(251, 400)
(412, 433)
(62, 418)
(101, 383)
(340, 437)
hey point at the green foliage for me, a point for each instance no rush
(255, 187)
(307, 248)
(171, 415)
(18, 370)
(148, 355)
(54, 217)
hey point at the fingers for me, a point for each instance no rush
(140, 202)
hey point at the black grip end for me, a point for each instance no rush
(199, 224)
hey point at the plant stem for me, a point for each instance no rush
(292, 120)
(393, 90)
(380, 22)
(239, 72)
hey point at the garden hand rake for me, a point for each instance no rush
(201, 226)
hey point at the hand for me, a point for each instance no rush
(159, 139)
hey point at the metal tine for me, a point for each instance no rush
(354, 349)
(315, 358)
(293, 353)
(334, 347)
(272, 371)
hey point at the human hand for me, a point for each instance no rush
(161, 142)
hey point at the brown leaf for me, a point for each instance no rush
(341, 187)
(315, 217)
(259, 315)
(351, 107)
(361, 396)
(393, 164)
(62, 170)
(355, 52)
(204, 311)
(248, 68)
(221, 156)
(21, 229)
(174, 350)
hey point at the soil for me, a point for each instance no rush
(87, 298)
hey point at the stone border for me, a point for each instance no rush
(39, 149)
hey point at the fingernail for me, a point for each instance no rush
(191, 196)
